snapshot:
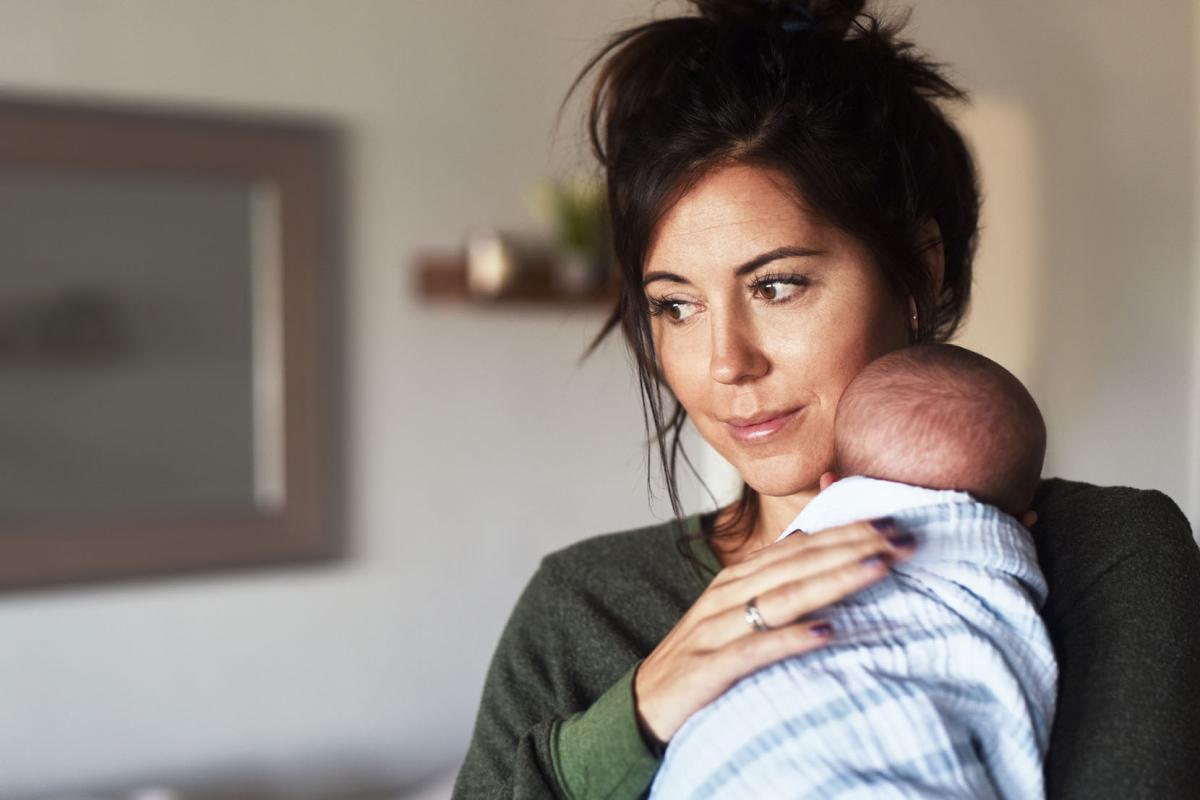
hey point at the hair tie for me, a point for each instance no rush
(799, 19)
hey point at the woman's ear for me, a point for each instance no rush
(934, 256)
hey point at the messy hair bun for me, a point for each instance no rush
(831, 17)
(822, 91)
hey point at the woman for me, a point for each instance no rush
(788, 202)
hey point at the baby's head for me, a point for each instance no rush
(941, 416)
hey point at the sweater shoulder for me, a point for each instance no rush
(620, 592)
(1085, 531)
(646, 551)
(1142, 516)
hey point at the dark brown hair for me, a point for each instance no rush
(821, 91)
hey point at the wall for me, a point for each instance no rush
(474, 443)
(1109, 100)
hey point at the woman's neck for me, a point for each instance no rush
(774, 514)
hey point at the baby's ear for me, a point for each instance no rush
(828, 478)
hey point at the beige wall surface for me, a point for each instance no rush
(1090, 239)
(475, 445)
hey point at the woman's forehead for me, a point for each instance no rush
(729, 216)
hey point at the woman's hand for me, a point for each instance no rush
(712, 646)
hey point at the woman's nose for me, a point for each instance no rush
(736, 356)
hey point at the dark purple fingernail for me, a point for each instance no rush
(873, 560)
(904, 541)
(823, 629)
(883, 523)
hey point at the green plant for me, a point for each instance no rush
(575, 206)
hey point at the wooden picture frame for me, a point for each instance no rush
(296, 159)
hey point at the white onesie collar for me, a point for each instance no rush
(858, 497)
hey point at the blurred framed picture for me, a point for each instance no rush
(166, 335)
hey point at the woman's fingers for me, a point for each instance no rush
(850, 543)
(779, 604)
(878, 530)
(813, 561)
(756, 649)
(790, 601)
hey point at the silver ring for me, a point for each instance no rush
(753, 617)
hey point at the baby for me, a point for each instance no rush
(940, 680)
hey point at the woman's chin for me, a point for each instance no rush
(780, 477)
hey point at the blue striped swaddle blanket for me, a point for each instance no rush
(939, 683)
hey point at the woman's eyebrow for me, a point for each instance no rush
(749, 266)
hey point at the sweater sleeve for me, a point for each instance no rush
(1125, 586)
(536, 735)
(601, 752)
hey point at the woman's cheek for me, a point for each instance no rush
(683, 362)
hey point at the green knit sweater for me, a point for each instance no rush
(557, 715)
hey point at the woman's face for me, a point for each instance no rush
(763, 311)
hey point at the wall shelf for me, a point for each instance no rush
(442, 278)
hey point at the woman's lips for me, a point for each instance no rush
(763, 429)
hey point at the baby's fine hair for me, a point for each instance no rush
(942, 416)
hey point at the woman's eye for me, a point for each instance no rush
(777, 290)
(673, 310)
(771, 291)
